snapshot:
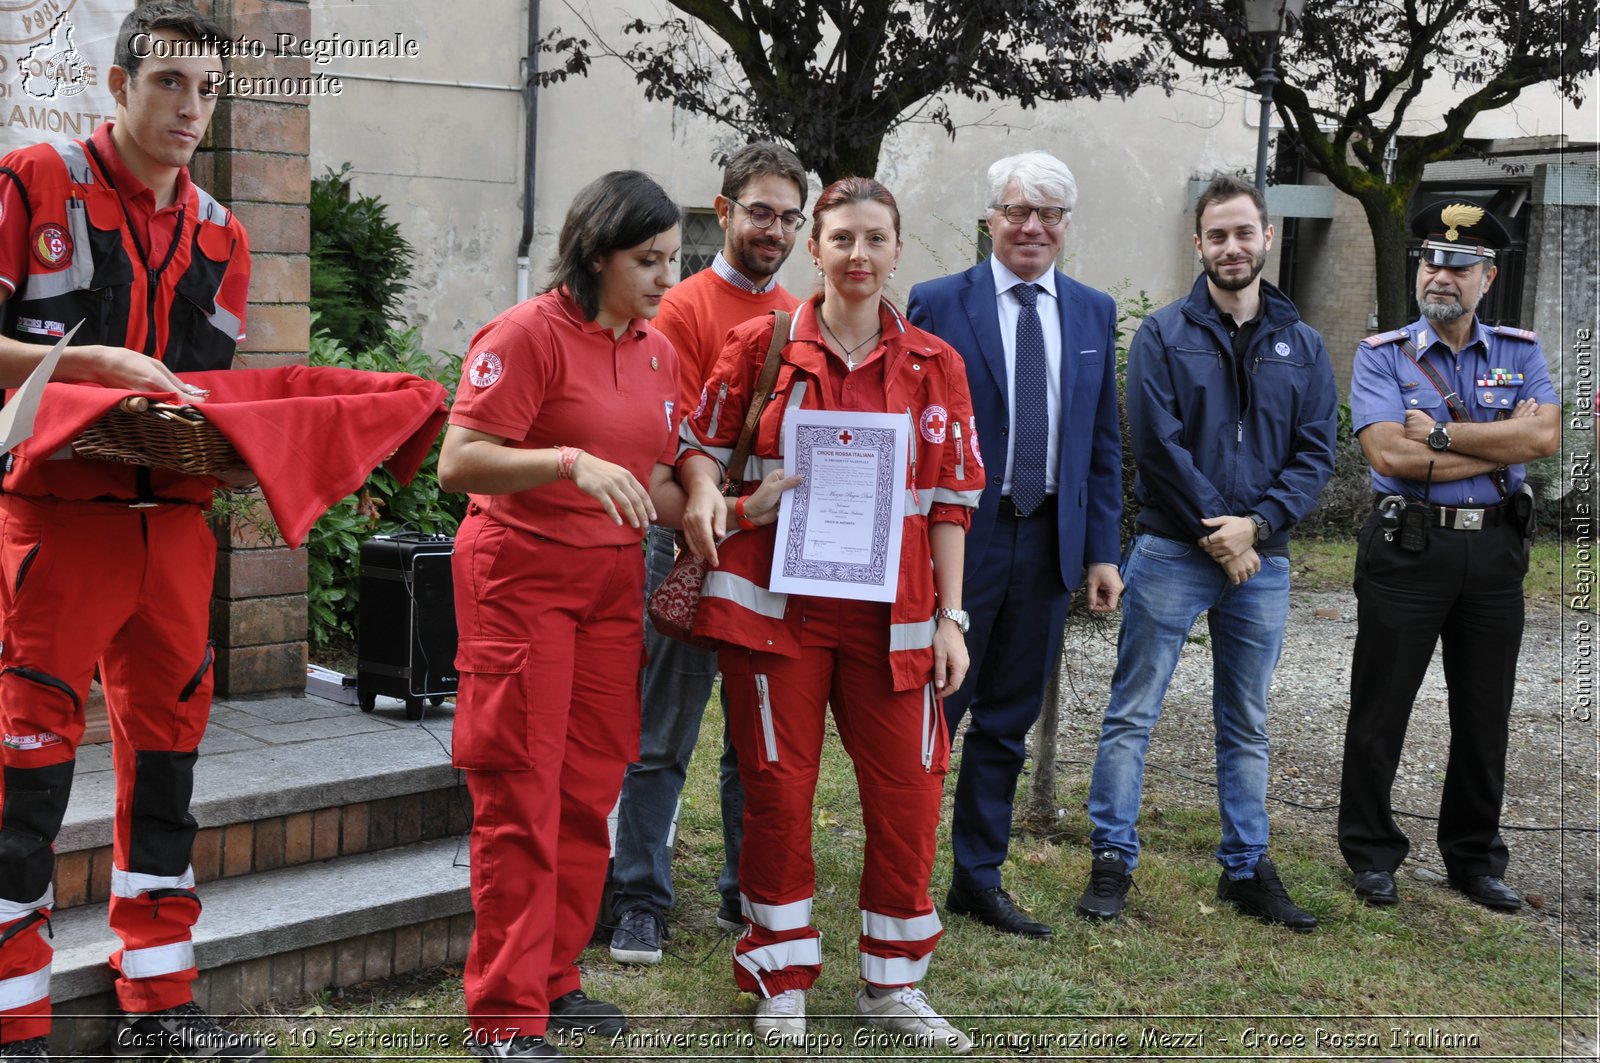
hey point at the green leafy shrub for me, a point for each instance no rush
(1131, 312)
(384, 505)
(360, 264)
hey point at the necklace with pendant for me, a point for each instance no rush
(849, 352)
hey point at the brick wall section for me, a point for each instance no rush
(84, 876)
(1337, 287)
(257, 161)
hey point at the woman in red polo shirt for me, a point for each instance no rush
(882, 667)
(565, 411)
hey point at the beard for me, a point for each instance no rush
(1443, 313)
(753, 268)
(1258, 262)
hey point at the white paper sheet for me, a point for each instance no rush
(839, 531)
(16, 419)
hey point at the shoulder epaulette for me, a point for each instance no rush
(1515, 333)
(1397, 336)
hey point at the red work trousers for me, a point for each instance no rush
(131, 588)
(547, 720)
(777, 709)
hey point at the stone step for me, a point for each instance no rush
(282, 934)
(281, 782)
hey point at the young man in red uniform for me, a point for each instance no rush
(106, 562)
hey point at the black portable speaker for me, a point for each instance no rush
(406, 621)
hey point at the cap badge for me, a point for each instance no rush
(1462, 215)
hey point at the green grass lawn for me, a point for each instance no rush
(1181, 975)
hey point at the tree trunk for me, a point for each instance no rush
(1039, 812)
(1387, 219)
(848, 160)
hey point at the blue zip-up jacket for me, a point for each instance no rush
(1199, 453)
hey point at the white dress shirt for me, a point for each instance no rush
(1050, 323)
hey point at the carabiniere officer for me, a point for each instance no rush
(1447, 410)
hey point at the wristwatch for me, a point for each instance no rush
(959, 616)
(1263, 529)
(1439, 438)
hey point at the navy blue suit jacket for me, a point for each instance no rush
(960, 309)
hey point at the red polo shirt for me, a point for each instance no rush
(539, 375)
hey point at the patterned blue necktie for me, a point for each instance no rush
(1030, 405)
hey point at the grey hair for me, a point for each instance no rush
(1039, 175)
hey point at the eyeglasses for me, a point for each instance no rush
(1017, 213)
(762, 217)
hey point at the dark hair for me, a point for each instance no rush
(848, 190)
(761, 159)
(1226, 186)
(621, 209)
(165, 15)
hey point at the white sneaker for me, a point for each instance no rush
(781, 1020)
(907, 1011)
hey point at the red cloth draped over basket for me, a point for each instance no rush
(311, 434)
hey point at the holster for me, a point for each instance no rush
(1523, 512)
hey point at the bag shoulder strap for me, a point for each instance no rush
(1452, 401)
(758, 400)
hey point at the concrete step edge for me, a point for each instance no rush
(273, 912)
(245, 785)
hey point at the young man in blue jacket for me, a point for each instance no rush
(1231, 412)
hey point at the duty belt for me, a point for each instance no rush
(1466, 518)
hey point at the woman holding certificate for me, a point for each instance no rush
(564, 414)
(882, 665)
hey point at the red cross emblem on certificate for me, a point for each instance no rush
(845, 437)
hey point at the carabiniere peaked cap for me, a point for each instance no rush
(1458, 234)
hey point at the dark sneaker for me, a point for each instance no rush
(638, 935)
(729, 919)
(1109, 880)
(1263, 896)
(516, 1048)
(575, 1011)
(183, 1032)
(34, 1048)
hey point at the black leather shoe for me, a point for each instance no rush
(1488, 891)
(1377, 888)
(1263, 896)
(575, 1011)
(995, 908)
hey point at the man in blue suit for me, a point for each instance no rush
(1041, 364)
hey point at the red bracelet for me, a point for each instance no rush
(566, 458)
(745, 523)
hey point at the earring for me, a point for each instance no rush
(891, 274)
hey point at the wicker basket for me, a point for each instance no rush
(142, 432)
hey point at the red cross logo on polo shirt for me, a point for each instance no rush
(485, 369)
(936, 422)
(845, 437)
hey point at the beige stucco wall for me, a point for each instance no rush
(448, 159)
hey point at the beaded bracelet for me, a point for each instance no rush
(566, 458)
(745, 523)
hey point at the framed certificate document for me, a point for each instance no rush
(839, 531)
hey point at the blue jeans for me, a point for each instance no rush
(675, 687)
(1168, 585)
